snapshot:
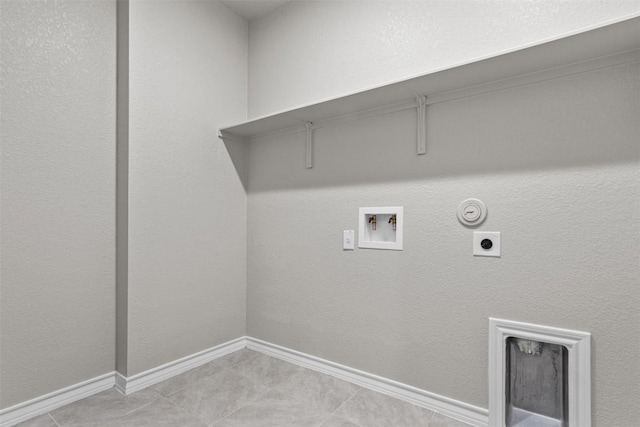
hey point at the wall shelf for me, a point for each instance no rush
(591, 49)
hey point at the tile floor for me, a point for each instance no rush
(245, 389)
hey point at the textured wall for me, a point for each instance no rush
(187, 205)
(308, 51)
(58, 191)
(558, 165)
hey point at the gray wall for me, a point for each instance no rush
(58, 192)
(345, 46)
(558, 165)
(186, 230)
(536, 155)
(187, 204)
(556, 162)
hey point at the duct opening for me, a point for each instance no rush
(536, 384)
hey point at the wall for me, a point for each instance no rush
(560, 180)
(313, 50)
(187, 204)
(557, 163)
(122, 189)
(58, 191)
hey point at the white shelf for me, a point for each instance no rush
(589, 49)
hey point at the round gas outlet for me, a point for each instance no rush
(472, 212)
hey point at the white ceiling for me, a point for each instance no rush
(253, 9)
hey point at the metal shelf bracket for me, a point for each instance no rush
(421, 143)
(309, 141)
(226, 136)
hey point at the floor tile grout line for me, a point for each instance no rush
(182, 407)
(338, 408)
(223, 369)
(430, 417)
(433, 414)
(53, 419)
(226, 416)
(139, 407)
(208, 423)
(231, 368)
(249, 402)
(269, 389)
(186, 411)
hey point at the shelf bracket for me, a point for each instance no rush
(309, 140)
(421, 143)
(225, 136)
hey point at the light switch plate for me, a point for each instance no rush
(348, 240)
(489, 249)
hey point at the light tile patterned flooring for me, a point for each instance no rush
(245, 389)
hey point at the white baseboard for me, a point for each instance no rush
(464, 412)
(128, 385)
(43, 404)
(452, 408)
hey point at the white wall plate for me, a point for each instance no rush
(486, 243)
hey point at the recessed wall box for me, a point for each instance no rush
(380, 228)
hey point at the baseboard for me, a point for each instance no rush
(452, 408)
(128, 385)
(43, 404)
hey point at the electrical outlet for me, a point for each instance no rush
(486, 243)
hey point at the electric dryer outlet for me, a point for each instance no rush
(486, 243)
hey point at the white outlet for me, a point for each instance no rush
(348, 240)
(486, 243)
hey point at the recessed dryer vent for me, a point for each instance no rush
(539, 376)
(537, 384)
(380, 228)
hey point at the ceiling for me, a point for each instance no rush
(253, 9)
